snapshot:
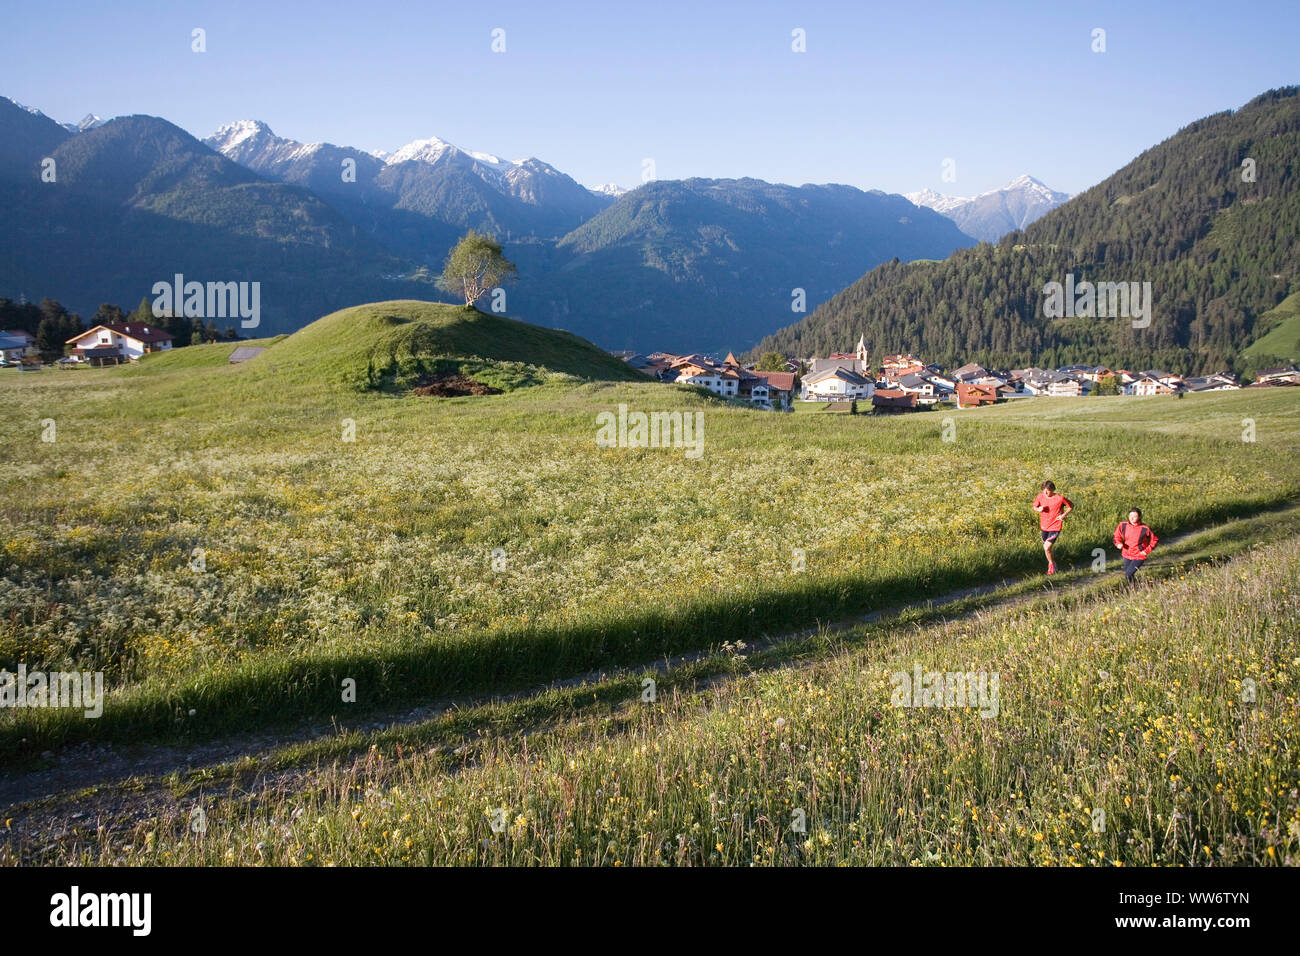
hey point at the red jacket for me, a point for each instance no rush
(1136, 541)
(1054, 508)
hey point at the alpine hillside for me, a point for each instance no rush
(1210, 217)
(136, 200)
(715, 262)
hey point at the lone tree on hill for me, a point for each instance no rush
(475, 267)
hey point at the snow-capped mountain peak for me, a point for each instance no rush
(933, 200)
(434, 150)
(1029, 185)
(545, 198)
(233, 134)
(89, 121)
(996, 212)
(253, 143)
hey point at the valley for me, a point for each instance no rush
(716, 436)
(494, 587)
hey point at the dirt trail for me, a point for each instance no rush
(73, 773)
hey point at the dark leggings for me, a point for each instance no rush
(1131, 566)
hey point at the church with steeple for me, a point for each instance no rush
(859, 360)
(862, 353)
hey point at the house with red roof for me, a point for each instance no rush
(775, 388)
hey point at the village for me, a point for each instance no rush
(840, 382)
(847, 382)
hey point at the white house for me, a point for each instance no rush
(926, 392)
(836, 385)
(942, 383)
(915, 384)
(1146, 385)
(1212, 383)
(715, 382)
(1066, 388)
(1287, 373)
(1039, 381)
(697, 370)
(1172, 381)
(125, 341)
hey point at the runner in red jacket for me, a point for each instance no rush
(1051, 508)
(1136, 542)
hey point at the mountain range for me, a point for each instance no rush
(102, 215)
(993, 214)
(723, 257)
(698, 264)
(430, 179)
(695, 265)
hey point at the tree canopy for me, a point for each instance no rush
(475, 267)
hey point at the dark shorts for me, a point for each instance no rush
(1051, 535)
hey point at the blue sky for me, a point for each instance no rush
(884, 93)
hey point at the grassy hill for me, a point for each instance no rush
(473, 548)
(391, 344)
(1280, 341)
(211, 355)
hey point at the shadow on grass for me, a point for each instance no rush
(278, 691)
(452, 730)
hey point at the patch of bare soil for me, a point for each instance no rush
(452, 385)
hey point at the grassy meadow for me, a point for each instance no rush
(230, 543)
(1135, 727)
